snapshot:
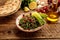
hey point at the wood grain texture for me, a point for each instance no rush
(8, 29)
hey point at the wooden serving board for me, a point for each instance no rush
(8, 29)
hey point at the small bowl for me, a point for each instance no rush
(20, 28)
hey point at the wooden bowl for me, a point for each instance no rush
(20, 28)
(8, 7)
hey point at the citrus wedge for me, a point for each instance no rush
(26, 9)
(52, 20)
(32, 5)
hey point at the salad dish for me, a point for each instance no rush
(31, 22)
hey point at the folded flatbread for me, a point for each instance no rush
(8, 7)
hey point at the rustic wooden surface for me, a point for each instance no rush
(8, 29)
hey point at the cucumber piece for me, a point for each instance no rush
(43, 15)
(39, 18)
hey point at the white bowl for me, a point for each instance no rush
(20, 28)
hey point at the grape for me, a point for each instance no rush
(58, 3)
(45, 8)
(42, 10)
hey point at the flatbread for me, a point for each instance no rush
(9, 7)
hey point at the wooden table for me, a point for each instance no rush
(8, 29)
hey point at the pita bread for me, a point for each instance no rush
(9, 7)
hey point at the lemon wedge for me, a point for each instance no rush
(32, 5)
(26, 9)
(52, 20)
